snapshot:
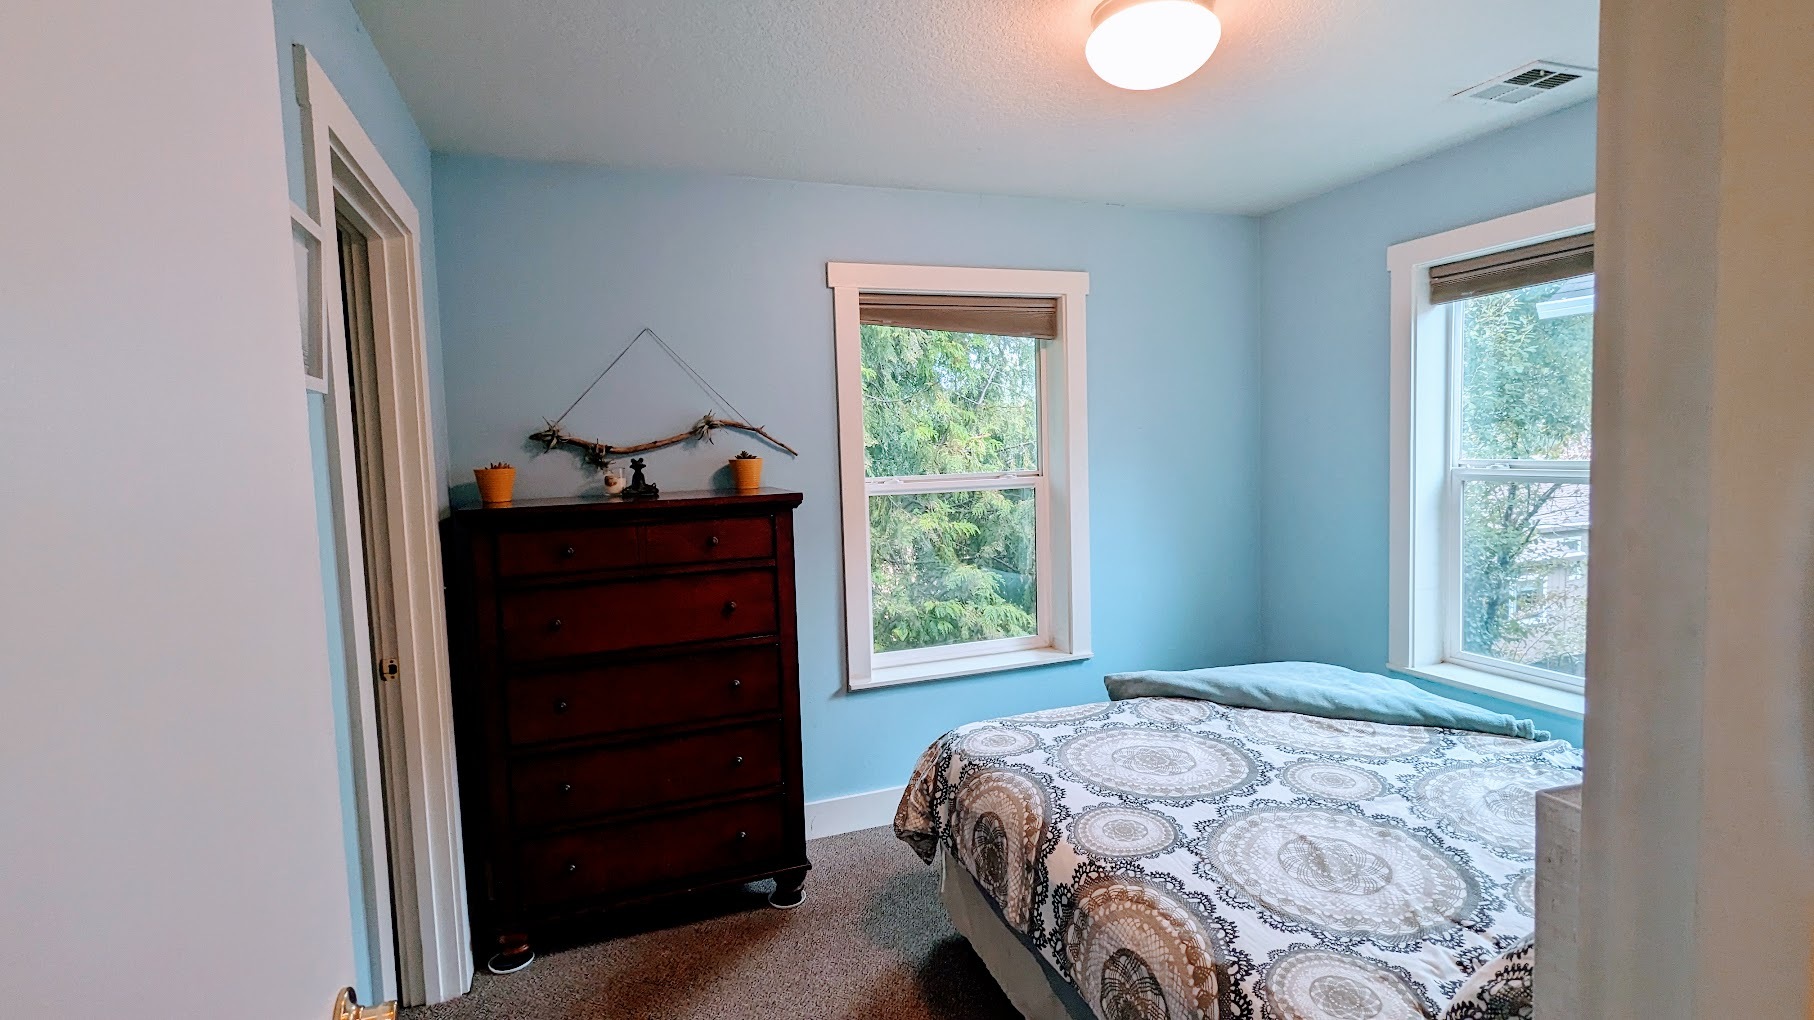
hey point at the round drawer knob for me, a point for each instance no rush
(730, 607)
(566, 787)
(572, 866)
(737, 761)
(555, 624)
(569, 552)
(712, 542)
(561, 707)
(736, 683)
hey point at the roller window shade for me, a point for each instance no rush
(963, 313)
(1544, 262)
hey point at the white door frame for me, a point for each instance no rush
(343, 170)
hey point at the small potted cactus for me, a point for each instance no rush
(495, 483)
(746, 471)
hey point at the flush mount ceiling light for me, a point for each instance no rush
(1149, 44)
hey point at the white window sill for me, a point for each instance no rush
(971, 665)
(1525, 692)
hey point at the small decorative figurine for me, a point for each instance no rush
(639, 487)
(614, 481)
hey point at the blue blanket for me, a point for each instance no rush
(1319, 689)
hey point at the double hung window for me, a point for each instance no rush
(1491, 511)
(960, 421)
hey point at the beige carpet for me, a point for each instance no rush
(871, 940)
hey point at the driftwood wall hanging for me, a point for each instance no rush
(600, 454)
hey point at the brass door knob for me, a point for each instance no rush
(346, 1007)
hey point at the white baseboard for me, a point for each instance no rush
(848, 814)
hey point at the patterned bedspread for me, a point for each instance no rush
(1180, 859)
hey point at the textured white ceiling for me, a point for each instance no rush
(987, 96)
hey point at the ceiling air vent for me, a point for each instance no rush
(1532, 81)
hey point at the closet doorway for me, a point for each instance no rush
(379, 501)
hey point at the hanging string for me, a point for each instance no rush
(600, 378)
(710, 390)
(692, 373)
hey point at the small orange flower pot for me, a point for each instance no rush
(746, 472)
(495, 484)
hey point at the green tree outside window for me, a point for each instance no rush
(950, 567)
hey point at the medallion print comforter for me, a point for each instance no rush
(1182, 859)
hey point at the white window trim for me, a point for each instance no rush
(1063, 528)
(1422, 426)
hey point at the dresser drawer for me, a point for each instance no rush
(551, 623)
(662, 692)
(577, 785)
(731, 538)
(566, 551)
(622, 859)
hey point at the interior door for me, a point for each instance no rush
(356, 566)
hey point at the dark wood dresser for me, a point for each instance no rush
(626, 704)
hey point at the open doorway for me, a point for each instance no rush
(379, 500)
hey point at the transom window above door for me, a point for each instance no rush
(961, 424)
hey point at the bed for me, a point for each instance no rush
(1164, 857)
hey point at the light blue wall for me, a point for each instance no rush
(549, 270)
(1325, 381)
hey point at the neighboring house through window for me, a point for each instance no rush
(961, 425)
(1492, 414)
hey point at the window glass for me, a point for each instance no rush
(952, 567)
(937, 402)
(1527, 373)
(1524, 573)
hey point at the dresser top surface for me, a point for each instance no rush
(691, 499)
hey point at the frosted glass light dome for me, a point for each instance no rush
(1149, 44)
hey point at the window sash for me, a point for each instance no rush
(1506, 667)
(1567, 472)
(1561, 472)
(962, 650)
(1041, 352)
(1462, 470)
(903, 484)
(1043, 562)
